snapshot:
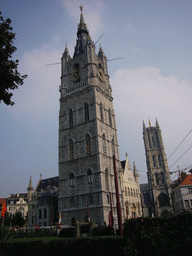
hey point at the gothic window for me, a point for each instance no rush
(113, 147)
(110, 121)
(108, 199)
(159, 160)
(106, 180)
(70, 117)
(154, 161)
(128, 192)
(125, 191)
(101, 112)
(153, 140)
(86, 112)
(71, 148)
(104, 143)
(88, 144)
(89, 177)
(131, 193)
(162, 178)
(72, 185)
(157, 178)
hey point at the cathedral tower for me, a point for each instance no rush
(158, 171)
(87, 134)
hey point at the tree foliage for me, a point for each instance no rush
(10, 78)
(18, 220)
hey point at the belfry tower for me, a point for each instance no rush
(158, 171)
(87, 134)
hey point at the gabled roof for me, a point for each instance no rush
(52, 182)
(187, 180)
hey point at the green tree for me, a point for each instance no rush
(18, 220)
(10, 78)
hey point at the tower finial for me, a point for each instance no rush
(81, 8)
(149, 122)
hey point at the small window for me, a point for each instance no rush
(154, 161)
(101, 112)
(162, 178)
(104, 143)
(45, 213)
(113, 147)
(157, 178)
(108, 199)
(90, 200)
(187, 204)
(72, 180)
(106, 180)
(110, 121)
(125, 191)
(89, 176)
(86, 112)
(88, 144)
(39, 213)
(70, 117)
(159, 160)
(71, 148)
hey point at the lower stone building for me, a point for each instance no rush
(17, 203)
(182, 193)
(43, 203)
(130, 190)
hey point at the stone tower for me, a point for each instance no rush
(87, 134)
(158, 171)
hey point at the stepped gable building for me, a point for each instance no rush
(159, 181)
(87, 135)
(131, 190)
(43, 202)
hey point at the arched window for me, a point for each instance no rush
(160, 160)
(72, 176)
(125, 191)
(153, 140)
(128, 192)
(110, 121)
(154, 161)
(108, 199)
(86, 112)
(101, 112)
(106, 180)
(113, 147)
(157, 178)
(163, 200)
(88, 144)
(71, 149)
(89, 177)
(131, 193)
(104, 143)
(70, 117)
(162, 178)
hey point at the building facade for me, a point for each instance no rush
(131, 190)
(159, 180)
(17, 203)
(43, 202)
(87, 135)
(182, 194)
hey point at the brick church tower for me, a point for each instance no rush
(158, 171)
(87, 134)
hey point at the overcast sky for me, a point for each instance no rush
(154, 80)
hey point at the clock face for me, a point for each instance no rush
(76, 74)
(100, 73)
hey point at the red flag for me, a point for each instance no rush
(4, 209)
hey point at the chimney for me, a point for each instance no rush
(183, 175)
